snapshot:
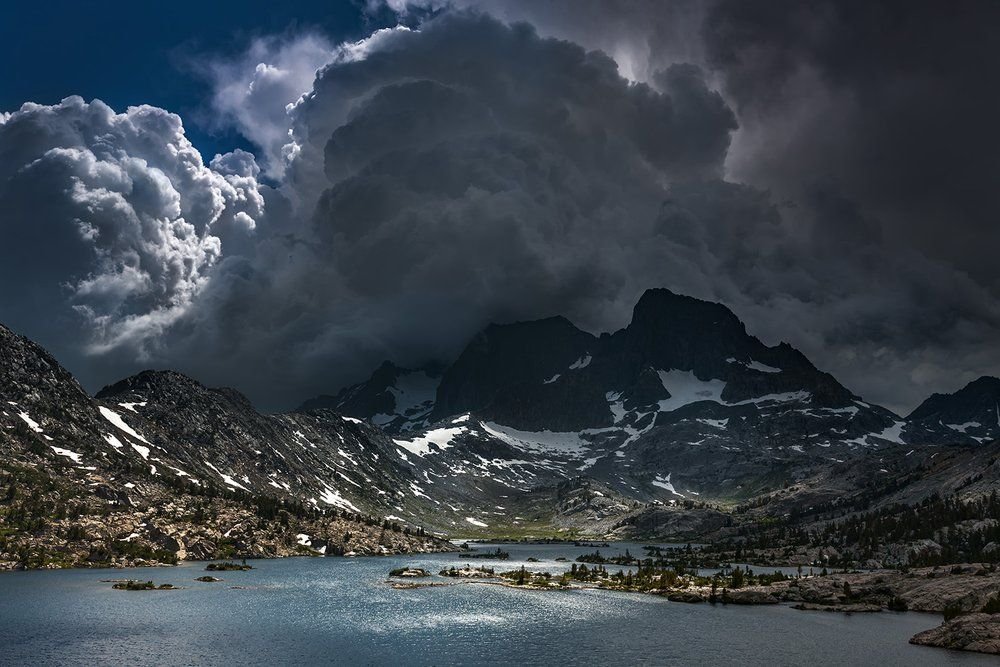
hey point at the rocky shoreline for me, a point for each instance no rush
(192, 529)
(959, 592)
(979, 633)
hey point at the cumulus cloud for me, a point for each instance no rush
(253, 92)
(644, 37)
(111, 223)
(256, 91)
(463, 170)
(518, 180)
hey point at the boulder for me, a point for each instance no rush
(750, 596)
(201, 549)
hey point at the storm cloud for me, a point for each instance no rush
(111, 223)
(467, 169)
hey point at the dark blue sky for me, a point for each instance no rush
(129, 53)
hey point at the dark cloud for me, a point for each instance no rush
(820, 167)
(473, 171)
(888, 102)
(874, 125)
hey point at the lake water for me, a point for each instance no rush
(340, 611)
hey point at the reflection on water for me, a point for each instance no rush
(340, 611)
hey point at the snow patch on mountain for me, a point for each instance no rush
(763, 368)
(117, 421)
(113, 441)
(440, 437)
(67, 453)
(32, 424)
(686, 388)
(582, 362)
(227, 479)
(551, 442)
(892, 433)
(784, 397)
(962, 428)
(414, 393)
(665, 483)
(754, 365)
(334, 497)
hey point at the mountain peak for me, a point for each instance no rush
(970, 414)
(985, 383)
(674, 331)
(149, 380)
(393, 397)
(983, 391)
(660, 303)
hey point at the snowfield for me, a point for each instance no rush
(441, 438)
(546, 442)
(685, 388)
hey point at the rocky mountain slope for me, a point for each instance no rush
(92, 481)
(682, 403)
(393, 398)
(680, 425)
(970, 415)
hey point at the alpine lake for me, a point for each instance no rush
(343, 611)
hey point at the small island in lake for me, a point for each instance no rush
(227, 566)
(498, 554)
(469, 573)
(133, 585)
(409, 572)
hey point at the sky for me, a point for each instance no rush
(278, 200)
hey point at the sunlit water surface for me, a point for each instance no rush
(340, 611)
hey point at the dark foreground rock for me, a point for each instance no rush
(971, 632)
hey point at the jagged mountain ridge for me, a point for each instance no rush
(88, 482)
(394, 398)
(971, 414)
(562, 380)
(682, 402)
(162, 429)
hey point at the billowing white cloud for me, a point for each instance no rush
(253, 91)
(642, 36)
(115, 216)
(256, 91)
